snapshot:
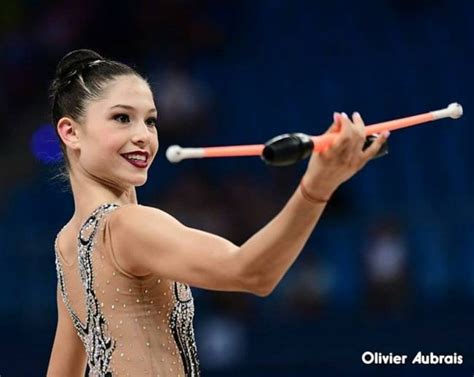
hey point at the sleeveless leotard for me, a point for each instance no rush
(129, 325)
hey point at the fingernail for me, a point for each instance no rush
(386, 134)
(335, 116)
(345, 115)
(356, 114)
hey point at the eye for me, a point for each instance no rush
(151, 121)
(122, 118)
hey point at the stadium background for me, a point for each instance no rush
(389, 268)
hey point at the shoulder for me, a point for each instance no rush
(142, 227)
(130, 216)
(137, 233)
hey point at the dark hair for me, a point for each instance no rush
(81, 76)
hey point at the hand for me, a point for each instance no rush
(337, 163)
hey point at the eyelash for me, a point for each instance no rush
(118, 116)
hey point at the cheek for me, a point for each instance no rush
(105, 149)
(155, 142)
(113, 144)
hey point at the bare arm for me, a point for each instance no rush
(68, 358)
(148, 240)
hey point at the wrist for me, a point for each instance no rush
(322, 195)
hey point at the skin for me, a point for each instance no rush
(147, 240)
(99, 173)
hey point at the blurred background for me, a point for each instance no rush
(390, 266)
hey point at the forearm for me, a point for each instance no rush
(269, 253)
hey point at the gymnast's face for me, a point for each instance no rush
(121, 122)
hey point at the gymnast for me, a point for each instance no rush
(125, 270)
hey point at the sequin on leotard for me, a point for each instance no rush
(130, 326)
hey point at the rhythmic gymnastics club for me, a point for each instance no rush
(287, 149)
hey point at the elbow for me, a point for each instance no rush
(258, 285)
(254, 281)
(262, 292)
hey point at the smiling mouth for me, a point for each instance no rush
(139, 160)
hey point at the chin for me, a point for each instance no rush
(139, 184)
(124, 181)
(138, 181)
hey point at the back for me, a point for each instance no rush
(129, 325)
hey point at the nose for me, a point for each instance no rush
(141, 135)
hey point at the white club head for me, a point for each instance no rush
(175, 153)
(455, 110)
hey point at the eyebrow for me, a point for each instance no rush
(153, 110)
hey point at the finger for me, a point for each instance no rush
(359, 123)
(351, 141)
(360, 127)
(344, 136)
(371, 151)
(336, 124)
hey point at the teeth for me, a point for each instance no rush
(135, 157)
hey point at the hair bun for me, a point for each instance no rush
(75, 60)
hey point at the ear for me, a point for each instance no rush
(69, 132)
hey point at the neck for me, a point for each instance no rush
(89, 194)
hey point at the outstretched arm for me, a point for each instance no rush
(147, 240)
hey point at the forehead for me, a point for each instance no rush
(128, 90)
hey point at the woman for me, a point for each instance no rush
(124, 270)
